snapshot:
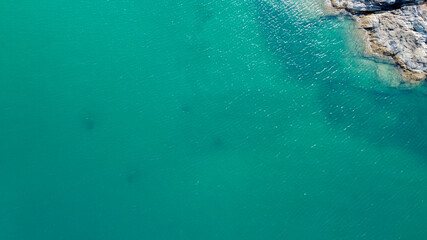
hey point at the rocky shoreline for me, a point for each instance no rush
(395, 29)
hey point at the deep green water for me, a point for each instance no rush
(202, 119)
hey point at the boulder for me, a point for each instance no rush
(395, 29)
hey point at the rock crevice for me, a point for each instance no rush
(371, 6)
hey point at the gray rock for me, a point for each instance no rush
(396, 28)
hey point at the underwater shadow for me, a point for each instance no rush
(396, 118)
(382, 115)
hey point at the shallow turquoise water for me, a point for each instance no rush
(202, 119)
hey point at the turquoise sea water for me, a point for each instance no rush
(201, 119)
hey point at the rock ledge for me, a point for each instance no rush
(396, 29)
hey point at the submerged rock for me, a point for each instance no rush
(89, 124)
(396, 29)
